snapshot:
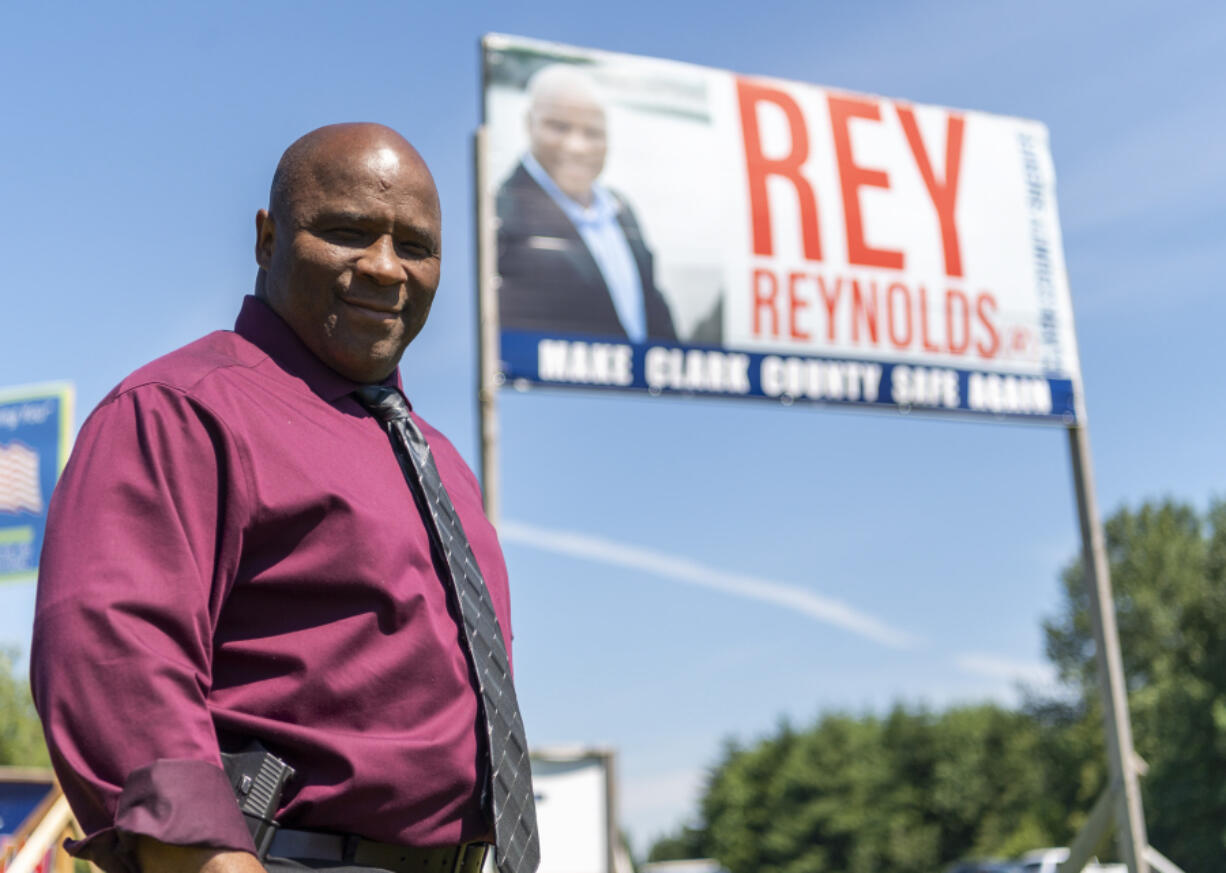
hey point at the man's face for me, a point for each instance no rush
(568, 138)
(354, 264)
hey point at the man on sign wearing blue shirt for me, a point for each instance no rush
(570, 253)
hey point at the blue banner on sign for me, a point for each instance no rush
(567, 362)
(35, 430)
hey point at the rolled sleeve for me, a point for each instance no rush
(182, 802)
(142, 541)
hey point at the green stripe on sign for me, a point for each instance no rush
(16, 535)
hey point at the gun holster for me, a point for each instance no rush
(258, 778)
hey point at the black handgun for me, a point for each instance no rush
(258, 778)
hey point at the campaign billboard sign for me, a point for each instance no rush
(35, 438)
(672, 228)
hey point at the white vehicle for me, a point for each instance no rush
(1049, 861)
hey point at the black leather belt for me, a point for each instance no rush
(349, 849)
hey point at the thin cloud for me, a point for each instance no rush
(798, 600)
(996, 667)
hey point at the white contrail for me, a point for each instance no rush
(592, 548)
(996, 667)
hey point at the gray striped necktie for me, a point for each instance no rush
(514, 812)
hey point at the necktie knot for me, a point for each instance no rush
(384, 403)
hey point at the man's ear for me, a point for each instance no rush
(265, 228)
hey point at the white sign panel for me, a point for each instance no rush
(572, 811)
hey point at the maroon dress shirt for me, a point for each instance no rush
(232, 553)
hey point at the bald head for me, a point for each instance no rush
(349, 248)
(333, 148)
(567, 131)
(564, 82)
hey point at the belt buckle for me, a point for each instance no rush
(462, 857)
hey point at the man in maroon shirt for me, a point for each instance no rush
(233, 554)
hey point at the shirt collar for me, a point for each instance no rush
(264, 328)
(604, 205)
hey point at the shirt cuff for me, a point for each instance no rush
(182, 802)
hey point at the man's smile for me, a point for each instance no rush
(373, 308)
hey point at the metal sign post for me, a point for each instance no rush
(488, 375)
(1124, 789)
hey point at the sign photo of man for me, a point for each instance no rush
(571, 255)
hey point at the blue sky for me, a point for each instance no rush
(683, 570)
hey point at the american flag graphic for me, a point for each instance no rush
(19, 488)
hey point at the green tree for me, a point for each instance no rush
(687, 842)
(21, 735)
(1070, 754)
(1168, 568)
(911, 791)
